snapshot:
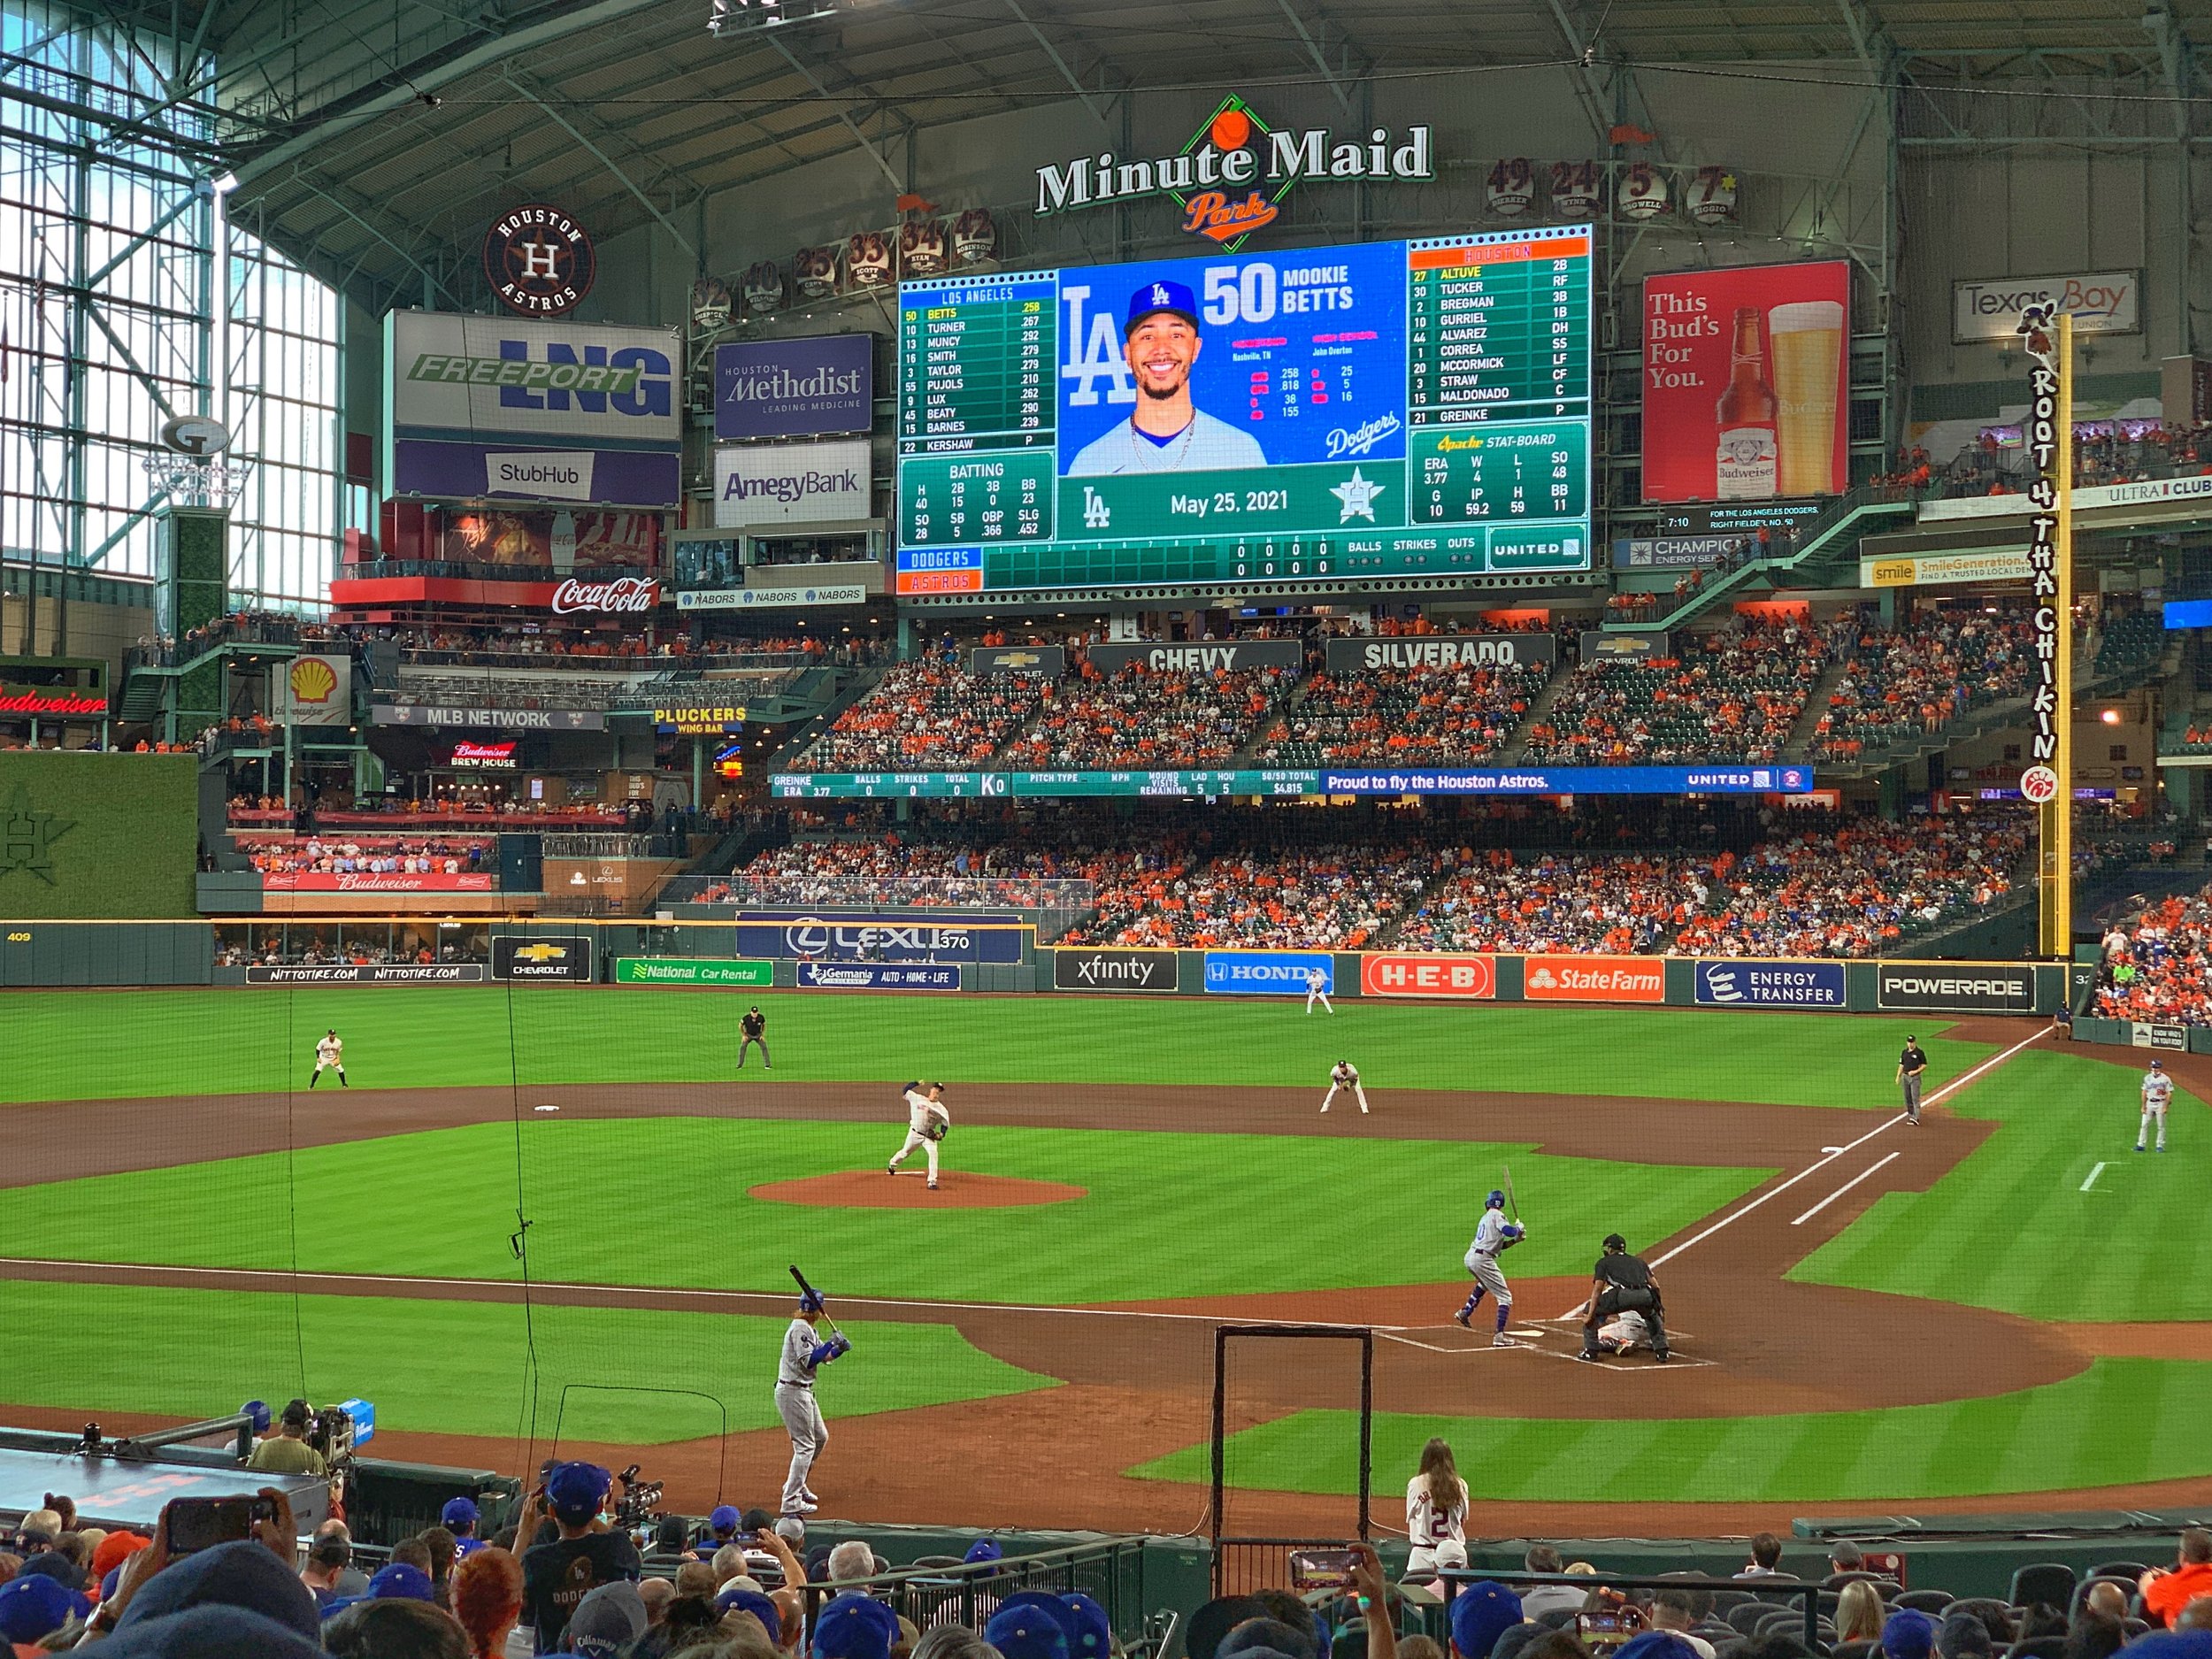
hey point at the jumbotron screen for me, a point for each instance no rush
(1392, 409)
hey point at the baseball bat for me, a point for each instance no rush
(808, 1289)
(1511, 1199)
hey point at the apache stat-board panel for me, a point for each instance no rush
(1386, 409)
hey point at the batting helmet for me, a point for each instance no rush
(811, 1301)
(1496, 1201)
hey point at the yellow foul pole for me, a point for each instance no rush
(2057, 911)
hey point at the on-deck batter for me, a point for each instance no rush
(2158, 1093)
(1493, 1236)
(927, 1117)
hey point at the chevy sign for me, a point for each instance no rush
(816, 388)
(766, 486)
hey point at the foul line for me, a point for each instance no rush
(1952, 1088)
(1846, 1187)
(2092, 1181)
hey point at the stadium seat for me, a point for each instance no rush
(2081, 1591)
(2039, 1647)
(1723, 1599)
(2051, 1582)
(1745, 1616)
(1858, 1649)
(1557, 1617)
(2132, 1571)
(1929, 1602)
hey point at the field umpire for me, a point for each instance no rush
(753, 1028)
(1621, 1282)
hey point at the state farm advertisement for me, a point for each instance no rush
(1594, 978)
(374, 881)
(1746, 382)
(1397, 975)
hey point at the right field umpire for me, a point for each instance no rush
(1621, 1282)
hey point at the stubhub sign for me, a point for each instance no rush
(532, 410)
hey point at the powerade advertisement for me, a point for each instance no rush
(858, 936)
(1734, 984)
(524, 410)
(1384, 408)
(1267, 973)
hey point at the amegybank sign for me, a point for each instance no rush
(761, 486)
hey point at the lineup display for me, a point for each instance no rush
(1391, 409)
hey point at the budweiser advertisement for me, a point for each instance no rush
(625, 595)
(1594, 978)
(1746, 388)
(375, 881)
(1428, 976)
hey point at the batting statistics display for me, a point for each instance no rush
(1394, 409)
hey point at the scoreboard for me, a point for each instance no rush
(1307, 417)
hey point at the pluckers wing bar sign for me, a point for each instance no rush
(539, 261)
(2039, 782)
(1231, 175)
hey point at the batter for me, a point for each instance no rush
(796, 1404)
(1493, 1236)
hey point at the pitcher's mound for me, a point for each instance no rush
(872, 1189)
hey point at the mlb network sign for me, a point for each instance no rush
(763, 486)
(1770, 984)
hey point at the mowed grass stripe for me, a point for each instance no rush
(2010, 1227)
(459, 1367)
(1166, 1214)
(132, 1044)
(2055, 1437)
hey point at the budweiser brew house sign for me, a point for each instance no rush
(625, 595)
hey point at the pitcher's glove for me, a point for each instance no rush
(936, 1129)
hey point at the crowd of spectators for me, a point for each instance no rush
(1917, 679)
(414, 855)
(1732, 695)
(895, 869)
(1338, 895)
(1138, 719)
(930, 713)
(1463, 714)
(1627, 903)
(2157, 967)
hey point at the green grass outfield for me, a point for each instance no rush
(2121, 1422)
(123, 1044)
(458, 1367)
(1166, 1214)
(2011, 1228)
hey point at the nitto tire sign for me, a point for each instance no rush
(1737, 984)
(1113, 970)
(1957, 987)
(380, 973)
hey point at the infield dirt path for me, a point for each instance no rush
(1137, 1377)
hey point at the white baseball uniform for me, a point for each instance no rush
(1205, 445)
(1345, 1075)
(919, 1110)
(1439, 1537)
(2158, 1093)
(1318, 991)
(330, 1054)
(801, 1416)
(1625, 1331)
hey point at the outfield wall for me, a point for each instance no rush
(935, 952)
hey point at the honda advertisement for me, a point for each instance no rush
(860, 936)
(1267, 973)
(815, 388)
(1769, 985)
(766, 485)
(877, 976)
(1956, 987)
(549, 412)
(1746, 382)
(1113, 970)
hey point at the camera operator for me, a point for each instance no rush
(286, 1451)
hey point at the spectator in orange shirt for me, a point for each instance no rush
(2166, 1593)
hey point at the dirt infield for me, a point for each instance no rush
(1136, 1378)
(864, 1189)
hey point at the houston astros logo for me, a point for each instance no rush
(27, 838)
(539, 261)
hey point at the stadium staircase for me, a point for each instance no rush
(146, 685)
(1515, 749)
(1800, 741)
(1831, 541)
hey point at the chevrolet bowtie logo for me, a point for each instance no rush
(542, 953)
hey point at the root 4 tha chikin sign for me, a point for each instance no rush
(2039, 782)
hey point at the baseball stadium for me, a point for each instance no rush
(838, 826)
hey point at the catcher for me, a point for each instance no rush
(927, 1119)
(1623, 1283)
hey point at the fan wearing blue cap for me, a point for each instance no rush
(459, 1517)
(1165, 432)
(558, 1576)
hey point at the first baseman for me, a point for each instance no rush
(1318, 991)
(330, 1053)
(1345, 1075)
(2158, 1093)
(1493, 1236)
(927, 1117)
(802, 1356)
(1910, 1065)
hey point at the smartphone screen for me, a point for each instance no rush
(1320, 1570)
(196, 1524)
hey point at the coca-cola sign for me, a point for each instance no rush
(626, 595)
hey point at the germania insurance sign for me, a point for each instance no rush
(539, 260)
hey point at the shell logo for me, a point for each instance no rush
(312, 681)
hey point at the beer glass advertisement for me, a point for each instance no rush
(1745, 386)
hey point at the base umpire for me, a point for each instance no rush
(1622, 1283)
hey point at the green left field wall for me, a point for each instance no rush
(98, 835)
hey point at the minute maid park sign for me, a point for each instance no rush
(1234, 170)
